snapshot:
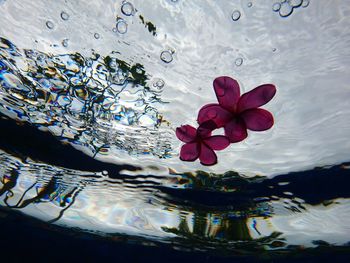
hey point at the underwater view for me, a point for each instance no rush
(200, 126)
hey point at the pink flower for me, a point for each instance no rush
(238, 113)
(200, 144)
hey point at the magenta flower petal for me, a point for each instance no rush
(215, 113)
(227, 91)
(258, 119)
(186, 133)
(217, 142)
(204, 130)
(190, 151)
(236, 130)
(207, 155)
(256, 97)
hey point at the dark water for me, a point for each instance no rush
(28, 239)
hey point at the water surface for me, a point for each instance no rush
(92, 92)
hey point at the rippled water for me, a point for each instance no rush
(111, 81)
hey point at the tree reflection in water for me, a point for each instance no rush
(191, 210)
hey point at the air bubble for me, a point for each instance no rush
(285, 10)
(65, 42)
(50, 25)
(236, 15)
(239, 62)
(305, 3)
(274, 49)
(158, 84)
(127, 9)
(295, 3)
(166, 56)
(250, 4)
(64, 16)
(97, 35)
(121, 26)
(276, 7)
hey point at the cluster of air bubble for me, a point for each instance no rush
(102, 103)
(126, 9)
(285, 7)
(50, 25)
